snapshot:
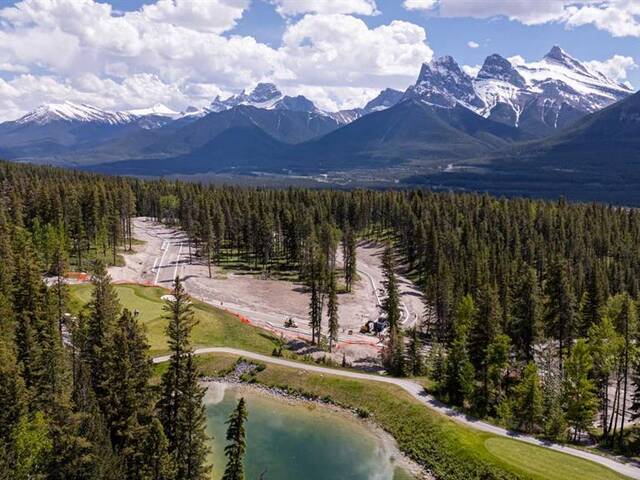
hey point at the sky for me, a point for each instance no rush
(124, 54)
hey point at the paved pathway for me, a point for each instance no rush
(632, 470)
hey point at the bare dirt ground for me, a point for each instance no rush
(268, 303)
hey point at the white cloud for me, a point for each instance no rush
(517, 60)
(419, 4)
(297, 7)
(618, 17)
(615, 67)
(472, 44)
(471, 70)
(209, 15)
(341, 50)
(173, 51)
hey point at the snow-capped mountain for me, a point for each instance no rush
(538, 97)
(387, 98)
(73, 112)
(83, 113)
(266, 96)
(158, 110)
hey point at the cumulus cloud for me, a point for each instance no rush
(341, 50)
(472, 44)
(471, 70)
(183, 52)
(618, 17)
(517, 60)
(297, 7)
(616, 67)
(420, 4)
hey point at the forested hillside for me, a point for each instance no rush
(510, 287)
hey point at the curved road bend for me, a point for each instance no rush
(417, 391)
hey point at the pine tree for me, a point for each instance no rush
(393, 352)
(180, 406)
(528, 399)
(191, 448)
(579, 389)
(526, 314)
(156, 464)
(332, 311)
(560, 312)
(236, 449)
(104, 309)
(606, 346)
(414, 353)
(127, 401)
(349, 258)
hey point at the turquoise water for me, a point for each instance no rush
(296, 441)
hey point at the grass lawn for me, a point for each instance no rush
(447, 448)
(450, 450)
(215, 328)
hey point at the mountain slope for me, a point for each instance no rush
(606, 141)
(539, 97)
(598, 158)
(52, 131)
(408, 132)
(287, 126)
(238, 149)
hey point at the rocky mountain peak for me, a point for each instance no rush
(559, 56)
(263, 92)
(385, 99)
(499, 68)
(443, 83)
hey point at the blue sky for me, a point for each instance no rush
(130, 53)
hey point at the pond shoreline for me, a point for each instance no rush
(399, 459)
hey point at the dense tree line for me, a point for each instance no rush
(530, 311)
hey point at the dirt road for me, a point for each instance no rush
(266, 302)
(631, 470)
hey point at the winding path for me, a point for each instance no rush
(631, 470)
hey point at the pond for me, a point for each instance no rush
(287, 441)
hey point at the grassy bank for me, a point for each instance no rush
(448, 449)
(216, 328)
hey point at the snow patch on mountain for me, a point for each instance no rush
(73, 112)
(158, 109)
(549, 93)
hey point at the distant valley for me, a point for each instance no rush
(533, 129)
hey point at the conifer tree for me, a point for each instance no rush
(332, 311)
(349, 258)
(526, 314)
(414, 353)
(393, 352)
(191, 449)
(155, 464)
(180, 406)
(236, 436)
(560, 312)
(579, 389)
(528, 399)
(104, 309)
(127, 400)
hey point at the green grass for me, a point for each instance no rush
(215, 328)
(449, 449)
(545, 464)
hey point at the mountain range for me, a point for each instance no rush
(448, 129)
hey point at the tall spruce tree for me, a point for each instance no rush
(103, 313)
(180, 406)
(332, 311)
(393, 352)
